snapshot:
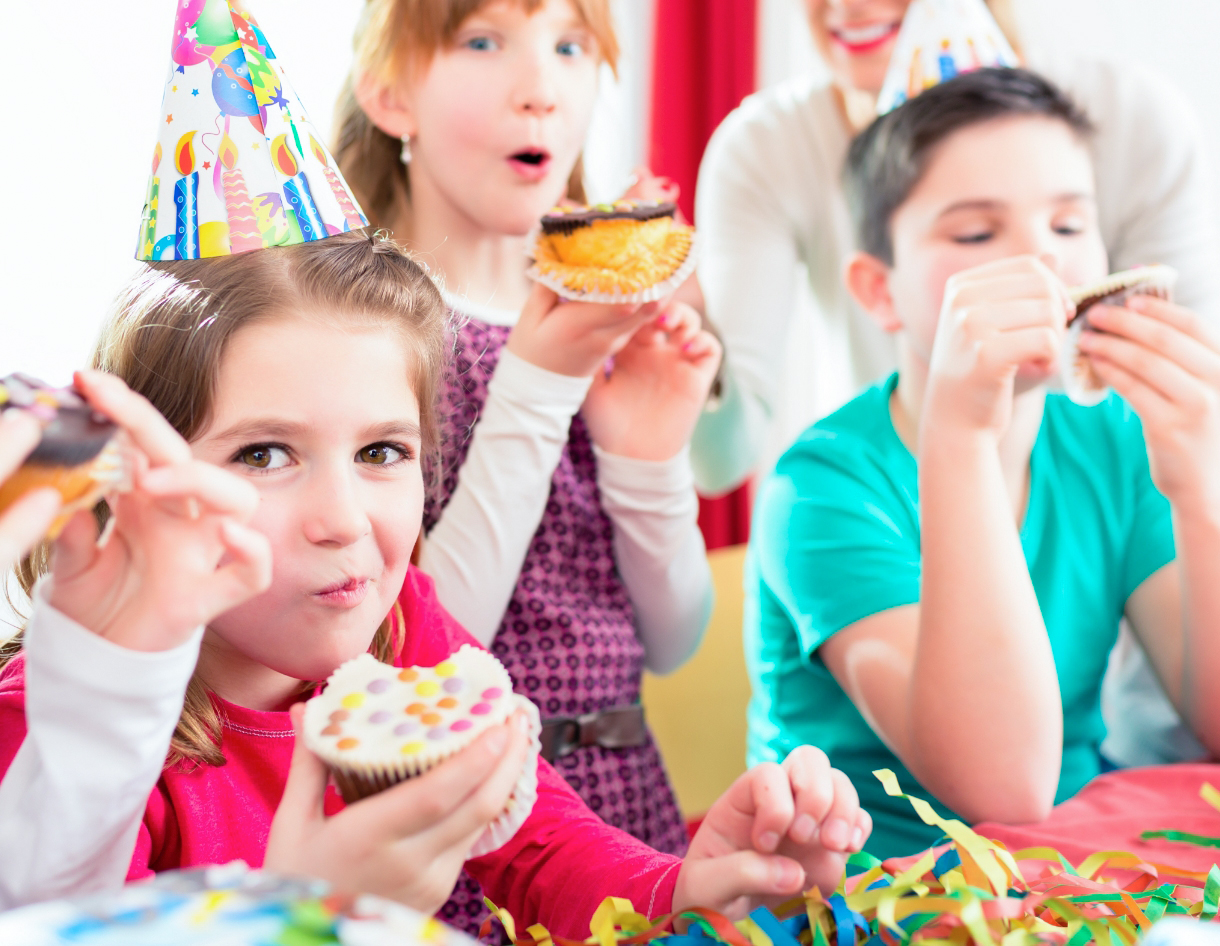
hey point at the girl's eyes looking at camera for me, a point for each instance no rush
(264, 456)
(383, 454)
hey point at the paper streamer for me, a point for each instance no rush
(974, 892)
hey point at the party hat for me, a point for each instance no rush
(940, 39)
(246, 167)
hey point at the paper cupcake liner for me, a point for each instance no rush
(525, 792)
(651, 294)
(1076, 376)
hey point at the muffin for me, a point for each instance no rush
(78, 454)
(629, 251)
(375, 725)
(1079, 380)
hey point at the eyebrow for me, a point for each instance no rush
(262, 428)
(984, 204)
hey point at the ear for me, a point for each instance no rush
(386, 107)
(868, 281)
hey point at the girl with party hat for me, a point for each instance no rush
(776, 231)
(310, 371)
(564, 533)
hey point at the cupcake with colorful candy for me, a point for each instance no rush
(376, 725)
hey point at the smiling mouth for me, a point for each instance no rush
(862, 39)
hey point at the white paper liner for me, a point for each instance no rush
(1076, 378)
(525, 792)
(651, 294)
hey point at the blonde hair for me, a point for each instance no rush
(167, 339)
(394, 36)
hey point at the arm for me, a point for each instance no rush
(476, 550)
(100, 719)
(659, 551)
(1165, 361)
(747, 267)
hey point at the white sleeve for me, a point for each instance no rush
(100, 718)
(475, 551)
(747, 269)
(659, 551)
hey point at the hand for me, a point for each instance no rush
(1165, 361)
(777, 831)
(407, 843)
(648, 406)
(573, 338)
(648, 186)
(996, 320)
(26, 520)
(178, 553)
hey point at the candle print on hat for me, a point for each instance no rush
(940, 39)
(238, 166)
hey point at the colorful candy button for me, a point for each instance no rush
(492, 693)
(353, 700)
(406, 729)
(408, 675)
(437, 733)
(378, 686)
(415, 709)
(332, 730)
(461, 725)
(381, 716)
(453, 685)
(480, 709)
(339, 716)
(446, 668)
(447, 703)
(430, 719)
(412, 747)
(348, 743)
(428, 688)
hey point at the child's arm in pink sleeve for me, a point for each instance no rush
(565, 861)
(99, 719)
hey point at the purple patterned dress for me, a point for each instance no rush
(568, 637)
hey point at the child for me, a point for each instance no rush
(940, 567)
(108, 651)
(311, 371)
(564, 533)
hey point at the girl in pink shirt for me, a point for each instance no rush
(310, 371)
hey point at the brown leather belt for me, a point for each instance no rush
(615, 728)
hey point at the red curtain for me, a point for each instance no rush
(703, 66)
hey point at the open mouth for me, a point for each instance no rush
(863, 39)
(530, 162)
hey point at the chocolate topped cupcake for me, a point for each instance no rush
(629, 251)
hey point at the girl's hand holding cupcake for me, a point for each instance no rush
(176, 552)
(1165, 362)
(778, 830)
(647, 406)
(573, 338)
(27, 520)
(407, 843)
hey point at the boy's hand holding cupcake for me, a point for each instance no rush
(777, 831)
(646, 407)
(176, 552)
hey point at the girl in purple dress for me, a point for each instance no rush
(563, 533)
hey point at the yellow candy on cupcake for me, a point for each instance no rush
(629, 251)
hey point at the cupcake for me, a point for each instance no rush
(626, 252)
(1077, 376)
(375, 725)
(78, 454)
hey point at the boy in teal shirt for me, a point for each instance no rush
(938, 569)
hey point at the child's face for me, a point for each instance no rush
(500, 117)
(1018, 186)
(321, 417)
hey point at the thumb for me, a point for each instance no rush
(722, 881)
(76, 547)
(540, 302)
(307, 775)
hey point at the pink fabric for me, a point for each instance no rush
(557, 869)
(1111, 812)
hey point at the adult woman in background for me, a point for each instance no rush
(769, 203)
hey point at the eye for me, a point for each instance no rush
(981, 236)
(570, 47)
(1070, 228)
(383, 454)
(480, 43)
(263, 456)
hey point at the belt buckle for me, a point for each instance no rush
(619, 727)
(559, 737)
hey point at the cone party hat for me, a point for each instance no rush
(244, 166)
(940, 39)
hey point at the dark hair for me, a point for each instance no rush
(889, 157)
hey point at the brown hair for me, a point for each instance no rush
(394, 36)
(167, 338)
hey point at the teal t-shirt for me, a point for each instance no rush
(836, 539)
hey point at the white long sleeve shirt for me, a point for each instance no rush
(100, 718)
(476, 550)
(776, 231)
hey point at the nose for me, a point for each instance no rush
(535, 89)
(1040, 242)
(335, 516)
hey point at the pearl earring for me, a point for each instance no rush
(405, 154)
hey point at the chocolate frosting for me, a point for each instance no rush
(563, 220)
(72, 433)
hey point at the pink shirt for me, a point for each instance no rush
(560, 865)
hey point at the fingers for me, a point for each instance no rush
(1024, 346)
(813, 791)
(1169, 379)
(25, 522)
(76, 547)
(771, 804)
(218, 491)
(248, 572)
(1160, 328)
(541, 301)
(19, 435)
(723, 881)
(149, 431)
(841, 830)
(305, 789)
